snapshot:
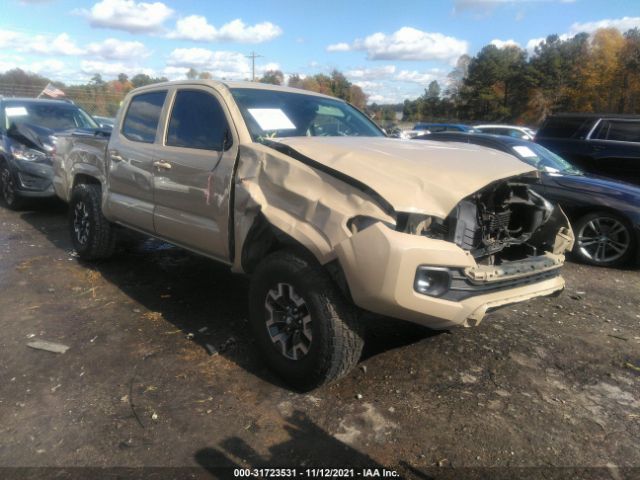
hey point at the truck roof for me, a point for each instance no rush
(233, 84)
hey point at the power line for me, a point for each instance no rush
(253, 57)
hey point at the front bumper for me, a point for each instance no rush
(32, 179)
(380, 266)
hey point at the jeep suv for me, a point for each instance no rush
(608, 145)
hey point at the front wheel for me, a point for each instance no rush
(92, 235)
(603, 239)
(306, 329)
(10, 195)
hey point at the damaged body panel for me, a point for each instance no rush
(307, 196)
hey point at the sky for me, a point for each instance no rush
(393, 50)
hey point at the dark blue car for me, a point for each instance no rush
(27, 142)
(604, 213)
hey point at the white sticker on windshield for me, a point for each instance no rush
(271, 119)
(16, 111)
(525, 151)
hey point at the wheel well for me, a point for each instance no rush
(263, 239)
(82, 178)
(577, 213)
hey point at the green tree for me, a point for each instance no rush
(274, 77)
(192, 74)
(295, 81)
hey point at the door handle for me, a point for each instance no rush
(162, 165)
(115, 156)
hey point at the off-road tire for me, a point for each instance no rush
(337, 336)
(14, 201)
(625, 258)
(100, 241)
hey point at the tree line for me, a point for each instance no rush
(585, 73)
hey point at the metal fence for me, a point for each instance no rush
(95, 100)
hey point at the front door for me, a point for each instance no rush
(193, 173)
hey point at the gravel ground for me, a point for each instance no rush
(161, 372)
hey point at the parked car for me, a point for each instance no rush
(104, 122)
(604, 213)
(515, 131)
(443, 127)
(607, 145)
(27, 137)
(425, 128)
(327, 215)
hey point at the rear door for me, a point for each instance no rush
(130, 155)
(193, 173)
(615, 148)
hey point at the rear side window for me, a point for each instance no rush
(622, 131)
(197, 121)
(561, 127)
(143, 115)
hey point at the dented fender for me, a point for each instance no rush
(310, 206)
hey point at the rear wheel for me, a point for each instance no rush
(307, 331)
(603, 239)
(92, 235)
(8, 189)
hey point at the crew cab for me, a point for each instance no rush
(328, 216)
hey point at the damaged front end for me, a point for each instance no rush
(501, 245)
(504, 222)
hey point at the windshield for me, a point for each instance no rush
(544, 159)
(273, 113)
(55, 116)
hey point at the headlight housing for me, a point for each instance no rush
(27, 154)
(432, 281)
(360, 222)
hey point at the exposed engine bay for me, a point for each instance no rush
(505, 221)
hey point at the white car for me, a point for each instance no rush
(516, 131)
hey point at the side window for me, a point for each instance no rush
(143, 115)
(561, 127)
(622, 131)
(197, 121)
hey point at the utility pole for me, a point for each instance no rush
(253, 57)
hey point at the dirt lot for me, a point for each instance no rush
(551, 383)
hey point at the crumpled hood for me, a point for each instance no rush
(33, 136)
(413, 176)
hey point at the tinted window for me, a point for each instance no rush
(619, 130)
(143, 116)
(197, 121)
(561, 127)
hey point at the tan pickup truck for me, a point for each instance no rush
(328, 216)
